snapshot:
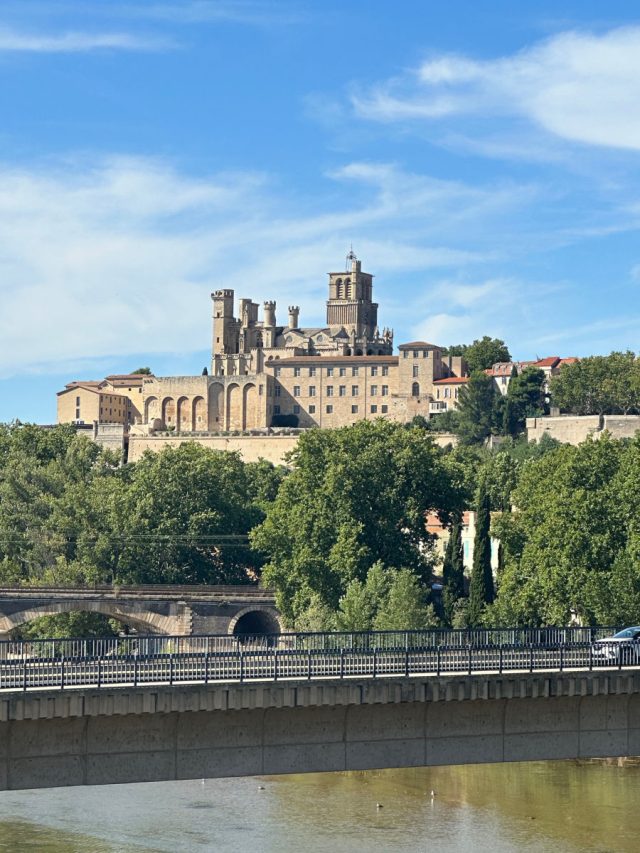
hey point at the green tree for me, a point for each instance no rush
(144, 371)
(525, 399)
(475, 409)
(482, 353)
(361, 601)
(481, 588)
(355, 495)
(453, 570)
(405, 607)
(599, 385)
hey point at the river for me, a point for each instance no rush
(552, 806)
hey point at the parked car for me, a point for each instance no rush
(623, 647)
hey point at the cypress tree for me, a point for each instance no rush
(453, 569)
(481, 590)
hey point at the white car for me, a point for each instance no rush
(623, 647)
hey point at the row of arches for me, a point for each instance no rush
(229, 407)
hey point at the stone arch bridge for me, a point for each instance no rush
(170, 610)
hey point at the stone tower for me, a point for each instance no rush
(225, 326)
(350, 306)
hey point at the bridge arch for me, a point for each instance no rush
(255, 621)
(144, 621)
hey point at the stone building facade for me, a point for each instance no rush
(265, 375)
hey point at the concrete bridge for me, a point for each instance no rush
(95, 737)
(169, 610)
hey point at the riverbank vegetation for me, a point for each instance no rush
(340, 535)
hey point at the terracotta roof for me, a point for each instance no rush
(570, 360)
(85, 386)
(355, 360)
(452, 380)
(85, 383)
(550, 361)
(500, 368)
(419, 345)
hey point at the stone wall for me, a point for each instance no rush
(251, 447)
(573, 429)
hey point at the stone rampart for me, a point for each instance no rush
(573, 429)
(273, 448)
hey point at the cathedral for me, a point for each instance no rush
(265, 376)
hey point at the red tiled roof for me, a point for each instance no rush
(550, 361)
(452, 380)
(570, 360)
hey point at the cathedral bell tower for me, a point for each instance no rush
(350, 303)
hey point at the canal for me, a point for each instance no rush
(552, 806)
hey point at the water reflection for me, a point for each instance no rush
(489, 808)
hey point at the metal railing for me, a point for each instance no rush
(365, 641)
(249, 663)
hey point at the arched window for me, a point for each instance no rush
(415, 390)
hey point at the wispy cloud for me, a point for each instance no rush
(119, 256)
(576, 86)
(12, 41)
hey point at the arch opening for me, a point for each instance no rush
(256, 623)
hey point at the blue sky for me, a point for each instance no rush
(481, 156)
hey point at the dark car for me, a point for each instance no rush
(623, 647)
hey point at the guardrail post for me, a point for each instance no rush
(206, 664)
(342, 663)
(530, 657)
(99, 673)
(470, 662)
(406, 662)
(135, 670)
(62, 674)
(500, 660)
(171, 668)
(309, 664)
(375, 663)
(561, 657)
(590, 657)
(438, 661)
(275, 664)
(24, 673)
(241, 666)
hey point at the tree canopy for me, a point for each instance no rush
(356, 496)
(482, 353)
(599, 385)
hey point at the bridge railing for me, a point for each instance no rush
(276, 664)
(366, 641)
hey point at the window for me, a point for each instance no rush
(329, 371)
(354, 390)
(296, 371)
(374, 370)
(343, 371)
(296, 410)
(277, 371)
(312, 390)
(260, 390)
(312, 410)
(77, 413)
(437, 394)
(425, 353)
(276, 410)
(329, 409)
(329, 390)
(312, 371)
(354, 410)
(405, 354)
(373, 390)
(342, 391)
(385, 390)
(354, 371)
(447, 393)
(296, 390)
(416, 353)
(385, 370)
(277, 390)
(456, 393)
(384, 409)
(415, 390)
(77, 401)
(416, 371)
(374, 409)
